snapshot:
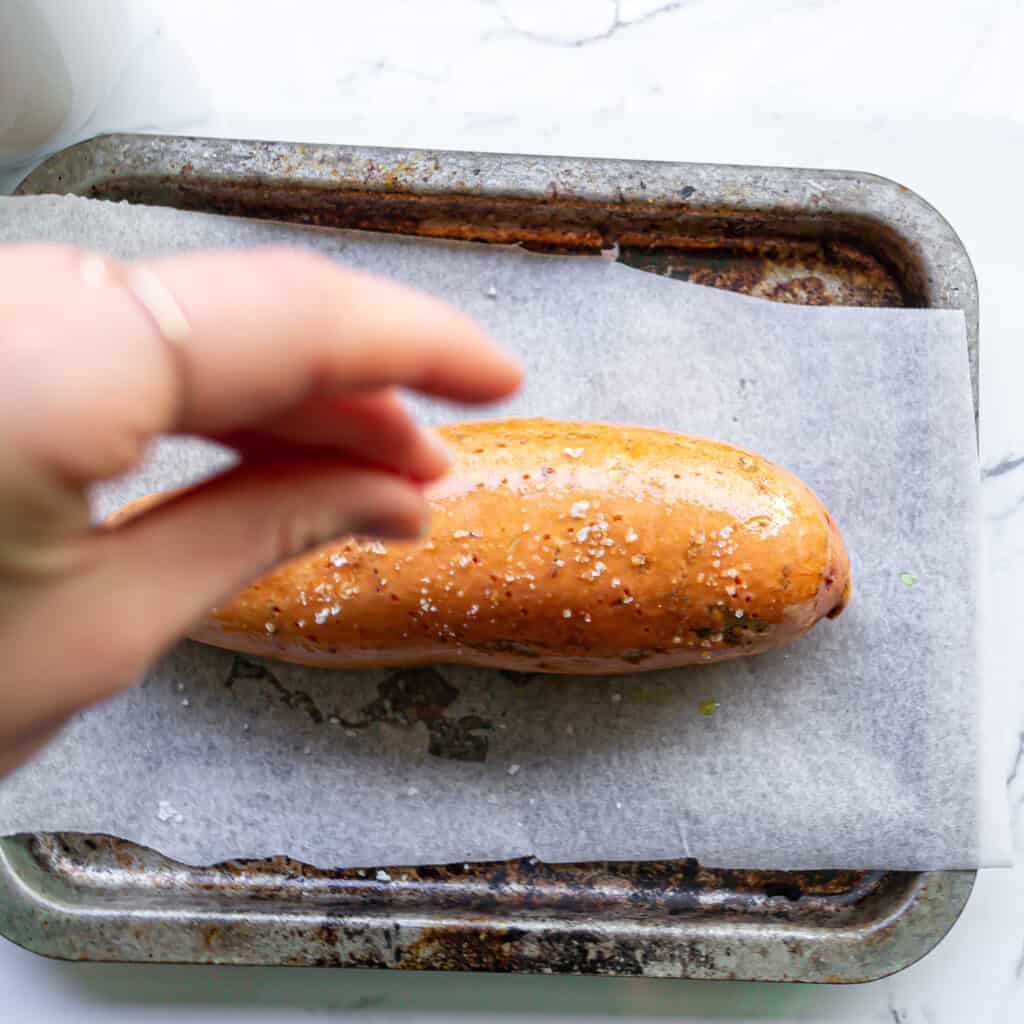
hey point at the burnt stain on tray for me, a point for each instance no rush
(404, 699)
(297, 700)
(518, 679)
(416, 695)
(521, 915)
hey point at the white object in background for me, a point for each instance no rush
(58, 59)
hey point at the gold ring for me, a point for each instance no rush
(152, 295)
(147, 289)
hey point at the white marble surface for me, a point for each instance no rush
(931, 95)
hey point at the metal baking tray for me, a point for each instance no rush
(810, 237)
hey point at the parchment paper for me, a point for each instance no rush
(858, 746)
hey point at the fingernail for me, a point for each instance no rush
(438, 448)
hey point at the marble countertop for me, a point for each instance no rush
(900, 89)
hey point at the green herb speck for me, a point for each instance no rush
(708, 707)
(908, 579)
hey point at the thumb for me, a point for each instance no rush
(151, 577)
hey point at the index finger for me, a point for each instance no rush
(269, 327)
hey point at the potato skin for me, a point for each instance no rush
(563, 547)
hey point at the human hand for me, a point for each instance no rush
(282, 355)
